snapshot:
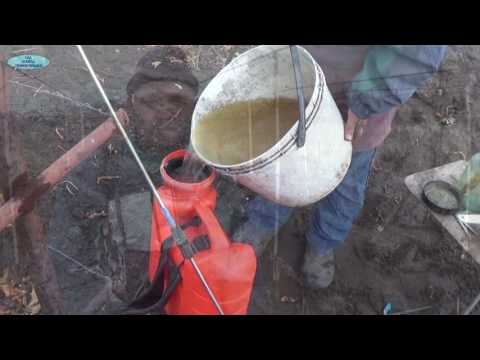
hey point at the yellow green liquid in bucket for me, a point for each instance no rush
(243, 130)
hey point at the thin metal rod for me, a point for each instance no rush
(472, 305)
(78, 263)
(3, 86)
(411, 310)
(210, 293)
(165, 210)
(471, 229)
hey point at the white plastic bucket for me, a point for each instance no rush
(285, 174)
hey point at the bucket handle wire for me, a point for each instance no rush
(302, 126)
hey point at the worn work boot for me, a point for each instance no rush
(254, 235)
(318, 270)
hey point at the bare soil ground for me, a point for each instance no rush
(395, 254)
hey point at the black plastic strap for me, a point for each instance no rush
(297, 71)
(160, 302)
(201, 243)
(181, 241)
(153, 294)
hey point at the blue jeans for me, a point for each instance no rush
(333, 216)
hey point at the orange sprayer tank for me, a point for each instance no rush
(229, 268)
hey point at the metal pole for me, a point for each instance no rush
(3, 86)
(165, 210)
(472, 305)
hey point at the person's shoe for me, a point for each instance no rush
(318, 270)
(253, 235)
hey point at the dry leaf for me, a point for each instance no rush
(287, 299)
(4, 310)
(6, 290)
(17, 297)
(4, 277)
(5, 287)
(34, 306)
(174, 60)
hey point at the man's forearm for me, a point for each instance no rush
(390, 76)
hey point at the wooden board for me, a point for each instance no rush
(449, 173)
